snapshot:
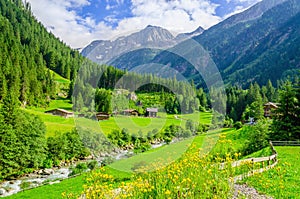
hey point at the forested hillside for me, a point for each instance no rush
(256, 45)
(254, 49)
(27, 52)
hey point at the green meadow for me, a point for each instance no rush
(282, 181)
(54, 123)
(120, 170)
(143, 124)
(133, 124)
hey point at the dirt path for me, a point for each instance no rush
(244, 191)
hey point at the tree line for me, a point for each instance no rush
(27, 53)
(23, 144)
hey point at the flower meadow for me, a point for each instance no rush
(192, 176)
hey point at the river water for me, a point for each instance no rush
(11, 187)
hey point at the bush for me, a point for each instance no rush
(187, 134)
(202, 109)
(25, 185)
(258, 138)
(92, 164)
(228, 123)
(80, 168)
(190, 125)
(142, 147)
(202, 128)
(107, 161)
(238, 125)
(48, 163)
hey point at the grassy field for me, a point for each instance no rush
(71, 185)
(136, 124)
(163, 156)
(54, 123)
(283, 181)
(133, 124)
(75, 185)
(54, 191)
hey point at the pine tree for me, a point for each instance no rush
(285, 121)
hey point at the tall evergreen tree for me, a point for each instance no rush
(286, 121)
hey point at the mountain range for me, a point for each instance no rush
(259, 44)
(153, 37)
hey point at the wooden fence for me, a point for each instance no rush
(271, 162)
(286, 143)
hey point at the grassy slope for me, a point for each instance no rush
(134, 124)
(54, 191)
(164, 156)
(283, 181)
(74, 185)
(55, 123)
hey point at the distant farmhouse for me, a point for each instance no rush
(130, 112)
(269, 108)
(102, 116)
(61, 112)
(151, 112)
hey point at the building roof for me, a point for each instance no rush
(152, 110)
(129, 110)
(271, 104)
(61, 110)
(102, 113)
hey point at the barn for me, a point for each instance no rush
(130, 112)
(151, 112)
(102, 116)
(61, 112)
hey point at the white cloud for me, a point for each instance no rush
(243, 1)
(58, 17)
(175, 15)
(241, 5)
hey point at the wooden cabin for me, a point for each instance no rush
(151, 112)
(102, 116)
(268, 107)
(61, 112)
(130, 112)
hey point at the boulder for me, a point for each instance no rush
(48, 171)
(2, 192)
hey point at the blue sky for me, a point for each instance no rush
(78, 22)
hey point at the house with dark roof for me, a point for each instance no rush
(151, 112)
(102, 116)
(61, 112)
(269, 108)
(130, 112)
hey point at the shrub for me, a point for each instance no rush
(25, 185)
(107, 161)
(92, 164)
(238, 125)
(80, 168)
(203, 128)
(258, 137)
(48, 163)
(187, 134)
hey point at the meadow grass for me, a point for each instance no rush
(71, 185)
(282, 181)
(54, 191)
(74, 186)
(143, 124)
(164, 155)
(168, 154)
(190, 176)
(133, 124)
